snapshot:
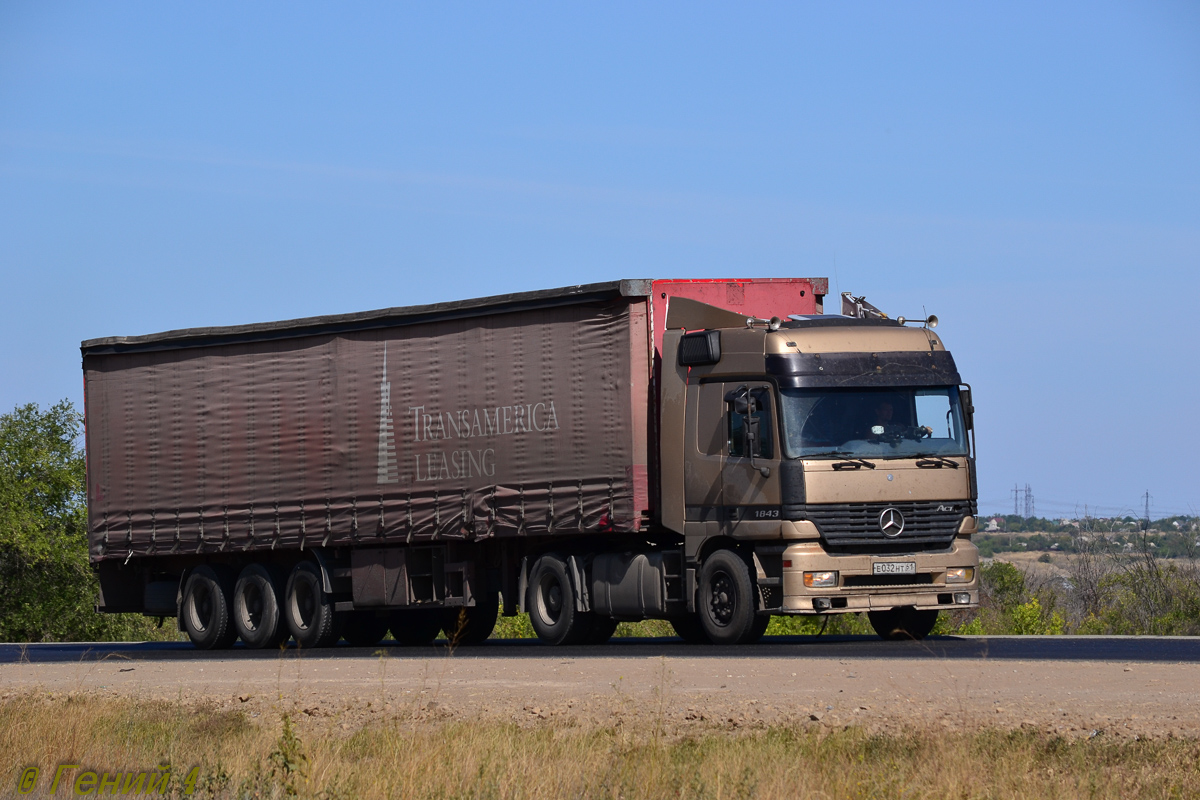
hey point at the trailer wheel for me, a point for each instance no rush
(726, 601)
(365, 628)
(206, 608)
(471, 625)
(906, 622)
(415, 627)
(309, 611)
(689, 629)
(551, 603)
(257, 608)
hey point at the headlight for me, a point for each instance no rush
(819, 580)
(960, 575)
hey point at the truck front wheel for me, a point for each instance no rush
(897, 624)
(206, 608)
(726, 602)
(309, 611)
(551, 603)
(257, 608)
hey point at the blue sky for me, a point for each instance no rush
(1028, 172)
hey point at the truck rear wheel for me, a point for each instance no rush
(551, 603)
(365, 628)
(309, 611)
(257, 608)
(600, 630)
(206, 608)
(898, 624)
(726, 602)
(411, 628)
(689, 629)
(471, 625)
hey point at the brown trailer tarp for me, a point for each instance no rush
(519, 415)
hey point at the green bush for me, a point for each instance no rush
(1149, 597)
(1007, 607)
(1029, 619)
(47, 588)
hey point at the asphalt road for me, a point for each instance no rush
(1147, 649)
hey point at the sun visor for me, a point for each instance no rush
(692, 315)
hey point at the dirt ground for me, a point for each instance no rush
(1070, 698)
(1057, 567)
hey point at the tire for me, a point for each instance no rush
(761, 623)
(600, 630)
(726, 601)
(472, 625)
(258, 608)
(206, 608)
(416, 627)
(551, 603)
(906, 622)
(309, 610)
(365, 628)
(689, 629)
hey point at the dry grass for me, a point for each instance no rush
(408, 756)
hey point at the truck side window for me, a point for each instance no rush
(758, 402)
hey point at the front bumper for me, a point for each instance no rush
(859, 589)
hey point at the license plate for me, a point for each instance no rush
(894, 568)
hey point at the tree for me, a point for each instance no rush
(47, 588)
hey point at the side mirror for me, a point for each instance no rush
(964, 399)
(743, 403)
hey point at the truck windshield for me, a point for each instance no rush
(899, 422)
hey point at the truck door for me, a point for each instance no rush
(751, 475)
(706, 450)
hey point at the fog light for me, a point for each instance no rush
(962, 598)
(818, 580)
(960, 575)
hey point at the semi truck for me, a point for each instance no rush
(708, 452)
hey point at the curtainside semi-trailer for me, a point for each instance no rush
(706, 452)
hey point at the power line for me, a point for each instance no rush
(1023, 498)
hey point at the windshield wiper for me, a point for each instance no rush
(849, 460)
(931, 460)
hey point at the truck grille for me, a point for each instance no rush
(855, 526)
(857, 581)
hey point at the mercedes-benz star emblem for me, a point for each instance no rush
(891, 522)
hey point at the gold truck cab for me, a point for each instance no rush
(835, 455)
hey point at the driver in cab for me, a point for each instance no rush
(882, 427)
